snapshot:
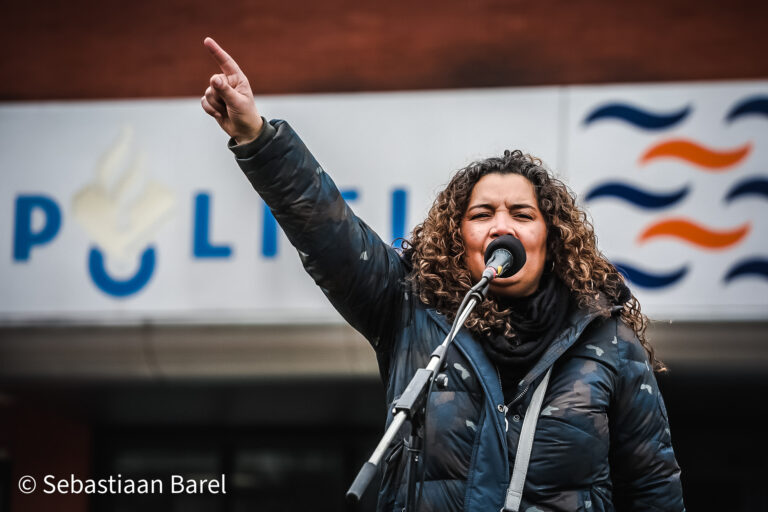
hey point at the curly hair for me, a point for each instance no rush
(441, 277)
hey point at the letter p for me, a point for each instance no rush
(24, 238)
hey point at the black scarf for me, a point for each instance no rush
(536, 320)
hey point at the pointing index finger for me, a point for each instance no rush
(222, 58)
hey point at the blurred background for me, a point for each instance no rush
(154, 321)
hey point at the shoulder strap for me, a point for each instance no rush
(524, 446)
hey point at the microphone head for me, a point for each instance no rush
(514, 247)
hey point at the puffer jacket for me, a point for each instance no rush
(602, 441)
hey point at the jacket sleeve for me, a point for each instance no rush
(645, 473)
(361, 275)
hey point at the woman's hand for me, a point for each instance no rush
(229, 99)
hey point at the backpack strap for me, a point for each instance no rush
(524, 447)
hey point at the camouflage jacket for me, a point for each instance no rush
(602, 441)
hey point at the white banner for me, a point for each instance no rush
(130, 211)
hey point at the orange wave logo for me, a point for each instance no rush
(695, 234)
(696, 154)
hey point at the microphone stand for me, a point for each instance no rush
(411, 406)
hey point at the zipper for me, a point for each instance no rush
(505, 408)
(518, 397)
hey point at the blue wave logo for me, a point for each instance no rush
(637, 116)
(646, 279)
(750, 187)
(635, 195)
(748, 268)
(756, 105)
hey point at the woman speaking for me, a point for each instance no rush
(564, 325)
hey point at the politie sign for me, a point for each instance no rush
(135, 211)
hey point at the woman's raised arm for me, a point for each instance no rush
(363, 277)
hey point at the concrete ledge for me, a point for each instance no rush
(191, 352)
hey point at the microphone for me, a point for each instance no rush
(504, 257)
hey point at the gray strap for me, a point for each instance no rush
(524, 446)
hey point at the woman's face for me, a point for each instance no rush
(505, 204)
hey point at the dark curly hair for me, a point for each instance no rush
(441, 277)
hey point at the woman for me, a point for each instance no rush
(602, 441)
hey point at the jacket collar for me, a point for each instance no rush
(578, 320)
